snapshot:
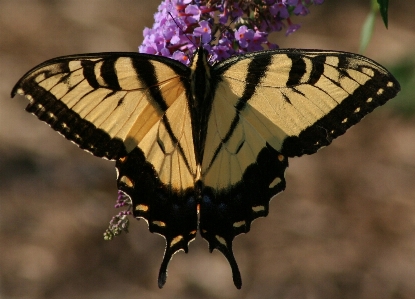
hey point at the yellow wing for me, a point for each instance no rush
(111, 103)
(296, 101)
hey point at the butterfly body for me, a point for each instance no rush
(204, 147)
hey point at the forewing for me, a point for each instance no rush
(306, 98)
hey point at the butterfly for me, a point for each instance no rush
(204, 147)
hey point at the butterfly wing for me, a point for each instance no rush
(269, 106)
(132, 108)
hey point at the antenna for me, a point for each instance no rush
(181, 29)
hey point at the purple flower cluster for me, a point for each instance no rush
(119, 222)
(224, 28)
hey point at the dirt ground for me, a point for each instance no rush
(344, 228)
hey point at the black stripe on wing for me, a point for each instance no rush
(109, 74)
(257, 69)
(146, 73)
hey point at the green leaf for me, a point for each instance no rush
(367, 30)
(383, 8)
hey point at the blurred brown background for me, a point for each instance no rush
(344, 228)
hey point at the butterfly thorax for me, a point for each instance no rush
(200, 99)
